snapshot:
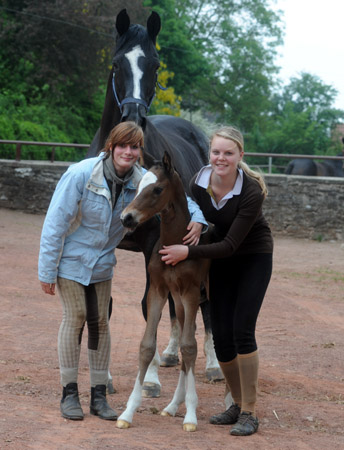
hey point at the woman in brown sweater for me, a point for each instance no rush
(231, 195)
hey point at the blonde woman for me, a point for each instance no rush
(231, 196)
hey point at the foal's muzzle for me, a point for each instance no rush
(129, 221)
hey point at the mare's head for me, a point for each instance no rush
(135, 65)
(156, 192)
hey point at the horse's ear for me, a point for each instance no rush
(153, 26)
(167, 163)
(122, 22)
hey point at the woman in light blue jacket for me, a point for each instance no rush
(81, 230)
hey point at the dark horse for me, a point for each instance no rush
(161, 191)
(130, 91)
(304, 166)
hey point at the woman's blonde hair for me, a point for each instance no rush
(124, 133)
(233, 134)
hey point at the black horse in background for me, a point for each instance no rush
(310, 167)
(130, 91)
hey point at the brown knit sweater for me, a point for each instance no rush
(239, 226)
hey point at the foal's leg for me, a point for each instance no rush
(188, 349)
(147, 351)
(213, 371)
(169, 357)
(151, 386)
(186, 389)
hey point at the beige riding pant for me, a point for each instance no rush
(83, 304)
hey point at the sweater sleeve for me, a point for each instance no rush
(249, 209)
(196, 213)
(61, 213)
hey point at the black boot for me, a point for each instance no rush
(99, 406)
(70, 404)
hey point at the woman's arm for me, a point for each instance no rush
(62, 211)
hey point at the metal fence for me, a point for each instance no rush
(269, 156)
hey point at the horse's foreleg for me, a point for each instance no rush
(169, 357)
(151, 385)
(178, 397)
(213, 371)
(147, 351)
(188, 350)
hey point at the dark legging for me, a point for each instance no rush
(237, 286)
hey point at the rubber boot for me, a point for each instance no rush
(99, 405)
(70, 404)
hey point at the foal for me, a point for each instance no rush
(161, 191)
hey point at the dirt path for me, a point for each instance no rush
(300, 334)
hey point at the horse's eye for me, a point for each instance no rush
(157, 190)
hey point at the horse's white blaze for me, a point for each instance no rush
(147, 179)
(133, 58)
(133, 403)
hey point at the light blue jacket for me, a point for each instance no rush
(81, 230)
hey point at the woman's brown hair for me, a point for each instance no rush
(124, 133)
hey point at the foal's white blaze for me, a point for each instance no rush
(147, 179)
(133, 58)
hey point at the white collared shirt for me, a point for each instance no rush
(203, 180)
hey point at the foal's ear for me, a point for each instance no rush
(167, 163)
(153, 25)
(122, 22)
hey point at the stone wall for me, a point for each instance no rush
(308, 207)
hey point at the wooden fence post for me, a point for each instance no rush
(18, 152)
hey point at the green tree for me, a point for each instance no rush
(54, 63)
(302, 118)
(222, 53)
(181, 54)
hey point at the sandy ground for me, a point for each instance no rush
(300, 334)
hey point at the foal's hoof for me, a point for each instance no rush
(123, 424)
(189, 427)
(151, 390)
(165, 414)
(214, 374)
(168, 360)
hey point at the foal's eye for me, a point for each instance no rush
(157, 190)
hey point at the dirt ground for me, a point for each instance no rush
(300, 334)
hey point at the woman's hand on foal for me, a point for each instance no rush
(194, 233)
(173, 254)
(48, 288)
